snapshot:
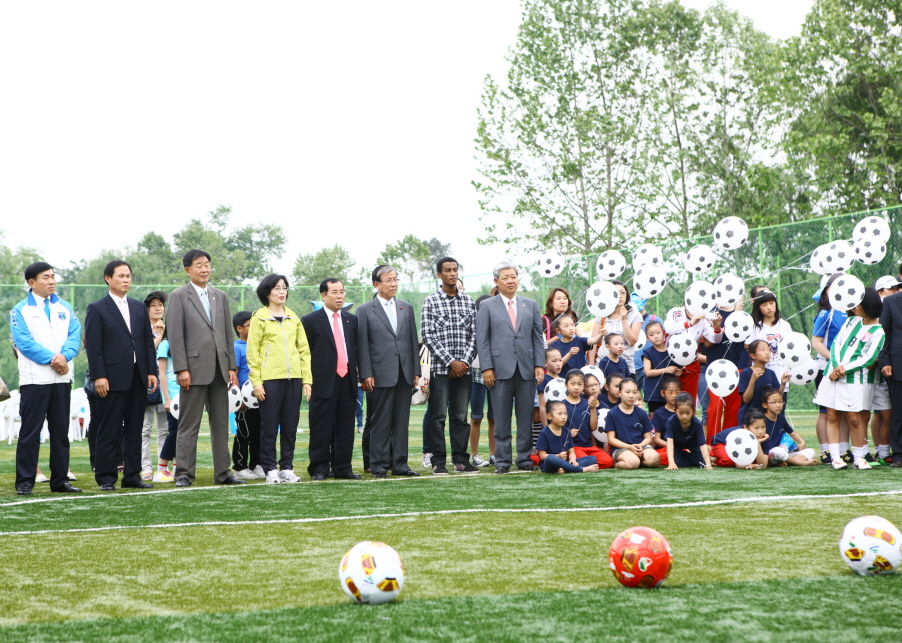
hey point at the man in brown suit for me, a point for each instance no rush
(200, 340)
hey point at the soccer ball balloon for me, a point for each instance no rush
(682, 349)
(846, 293)
(647, 254)
(700, 298)
(649, 281)
(804, 374)
(610, 264)
(816, 260)
(871, 228)
(600, 434)
(731, 233)
(739, 326)
(247, 396)
(641, 341)
(728, 290)
(742, 447)
(371, 572)
(235, 401)
(794, 349)
(869, 251)
(591, 369)
(699, 259)
(722, 377)
(640, 557)
(550, 264)
(602, 298)
(837, 256)
(871, 546)
(556, 390)
(175, 406)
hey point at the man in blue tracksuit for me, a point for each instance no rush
(47, 337)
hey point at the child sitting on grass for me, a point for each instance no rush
(555, 445)
(611, 394)
(614, 362)
(670, 388)
(754, 421)
(629, 431)
(572, 347)
(582, 420)
(783, 445)
(552, 371)
(686, 437)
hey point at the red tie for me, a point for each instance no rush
(510, 311)
(342, 367)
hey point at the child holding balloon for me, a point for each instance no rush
(753, 421)
(769, 327)
(656, 363)
(582, 420)
(699, 327)
(686, 445)
(629, 431)
(572, 347)
(670, 389)
(611, 393)
(614, 362)
(782, 444)
(753, 379)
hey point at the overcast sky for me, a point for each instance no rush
(347, 123)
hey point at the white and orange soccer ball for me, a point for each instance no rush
(372, 573)
(871, 546)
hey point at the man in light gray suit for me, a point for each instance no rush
(388, 364)
(200, 340)
(512, 357)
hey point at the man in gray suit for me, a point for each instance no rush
(388, 364)
(511, 356)
(203, 358)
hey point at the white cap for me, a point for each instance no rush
(887, 282)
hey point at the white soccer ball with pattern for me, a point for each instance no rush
(729, 290)
(742, 447)
(556, 390)
(804, 373)
(738, 326)
(610, 264)
(641, 341)
(550, 264)
(869, 251)
(699, 259)
(649, 281)
(235, 401)
(247, 396)
(871, 228)
(794, 349)
(816, 260)
(731, 233)
(682, 349)
(700, 298)
(871, 546)
(372, 573)
(175, 406)
(837, 256)
(591, 369)
(846, 293)
(647, 254)
(601, 436)
(722, 377)
(602, 298)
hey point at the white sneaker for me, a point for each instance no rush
(287, 475)
(479, 461)
(261, 474)
(272, 477)
(163, 475)
(427, 460)
(839, 464)
(861, 464)
(41, 478)
(246, 474)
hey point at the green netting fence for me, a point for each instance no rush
(775, 256)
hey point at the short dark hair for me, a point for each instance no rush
(752, 415)
(441, 262)
(482, 299)
(610, 336)
(628, 379)
(551, 350)
(668, 379)
(110, 268)
(32, 271)
(610, 379)
(871, 305)
(380, 270)
(550, 404)
(574, 373)
(267, 284)
(653, 322)
(684, 399)
(240, 319)
(191, 255)
(753, 346)
(767, 391)
(324, 284)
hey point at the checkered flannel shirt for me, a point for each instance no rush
(448, 328)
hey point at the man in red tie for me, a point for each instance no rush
(332, 336)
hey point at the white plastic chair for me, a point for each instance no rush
(14, 421)
(77, 402)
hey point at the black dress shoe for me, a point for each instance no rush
(379, 475)
(318, 477)
(24, 489)
(140, 484)
(502, 469)
(897, 463)
(66, 488)
(107, 487)
(348, 476)
(183, 481)
(527, 467)
(407, 474)
(232, 480)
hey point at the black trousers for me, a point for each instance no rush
(246, 445)
(688, 459)
(120, 408)
(895, 425)
(332, 428)
(37, 403)
(280, 413)
(390, 423)
(452, 397)
(367, 429)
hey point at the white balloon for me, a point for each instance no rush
(817, 260)
(699, 259)
(649, 281)
(591, 369)
(837, 256)
(700, 298)
(722, 377)
(551, 263)
(641, 341)
(794, 349)
(846, 293)
(235, 401)
(804, 374)
(610, 264)
(556, 390)
(682, 349)
(739, 326)
(647, 254)
(742, 447)
(599, 433)
(602, 298)
(175, 406)
(728, 289)
(247, 396)
(871, 228)
(731, 233)
(869, 251)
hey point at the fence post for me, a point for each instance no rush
(760, 255)
(242, 297)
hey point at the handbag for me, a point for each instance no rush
(421, 390)
(4, 391)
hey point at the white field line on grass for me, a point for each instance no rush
(446, 512)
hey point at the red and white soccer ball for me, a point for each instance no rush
(640, 557)
(372, 573)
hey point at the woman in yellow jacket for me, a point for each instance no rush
(278, 359)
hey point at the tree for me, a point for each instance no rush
(414, 258)
(13, 262)
(335, 262)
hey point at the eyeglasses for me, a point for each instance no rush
(280, 289)
(390, 282)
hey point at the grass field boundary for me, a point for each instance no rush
(446, 512)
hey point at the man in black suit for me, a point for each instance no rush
(890, 361)
(121, 358)
(332, 336)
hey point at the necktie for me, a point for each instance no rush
(392, 315)
(206, 302)
(342, 365)
(47, 308)
(511, 314)
(123, 309)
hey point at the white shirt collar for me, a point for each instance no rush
(506, 299)
(330, 313)
(200, 291)
(38, 299)
(117, 299)
(386, 302)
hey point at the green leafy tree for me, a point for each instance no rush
(13, 262)
(414, 258)
(335, 262)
